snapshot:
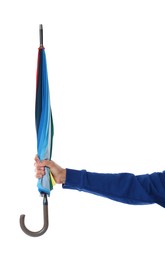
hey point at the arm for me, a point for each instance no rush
(123, 187)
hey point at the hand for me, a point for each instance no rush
(58, 173)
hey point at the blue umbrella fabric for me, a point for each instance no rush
(44, 121)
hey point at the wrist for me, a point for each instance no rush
(63, 176)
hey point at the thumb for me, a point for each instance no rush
(47, 163)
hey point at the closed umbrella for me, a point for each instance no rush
(44, 132)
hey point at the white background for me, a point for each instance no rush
(106, 65)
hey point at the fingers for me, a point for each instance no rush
(42, 163)
(40, 166)
(40, 171)
(36, 158)
(46, 163)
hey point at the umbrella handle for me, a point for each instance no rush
(46, 221)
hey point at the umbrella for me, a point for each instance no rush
(43, 116)
(44, 131)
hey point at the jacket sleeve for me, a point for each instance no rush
(122, 187)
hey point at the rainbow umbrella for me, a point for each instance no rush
(43, 118)
(44, 131)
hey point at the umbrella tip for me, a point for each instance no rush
(41, 34)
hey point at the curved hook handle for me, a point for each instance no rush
(46, 221)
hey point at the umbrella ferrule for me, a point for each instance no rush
(41, 35)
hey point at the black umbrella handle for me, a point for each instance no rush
(45, 225)
(41, 35)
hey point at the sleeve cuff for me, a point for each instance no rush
(74, 179)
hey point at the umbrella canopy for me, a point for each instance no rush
(43, 118)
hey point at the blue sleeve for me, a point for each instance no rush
(122, 187)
